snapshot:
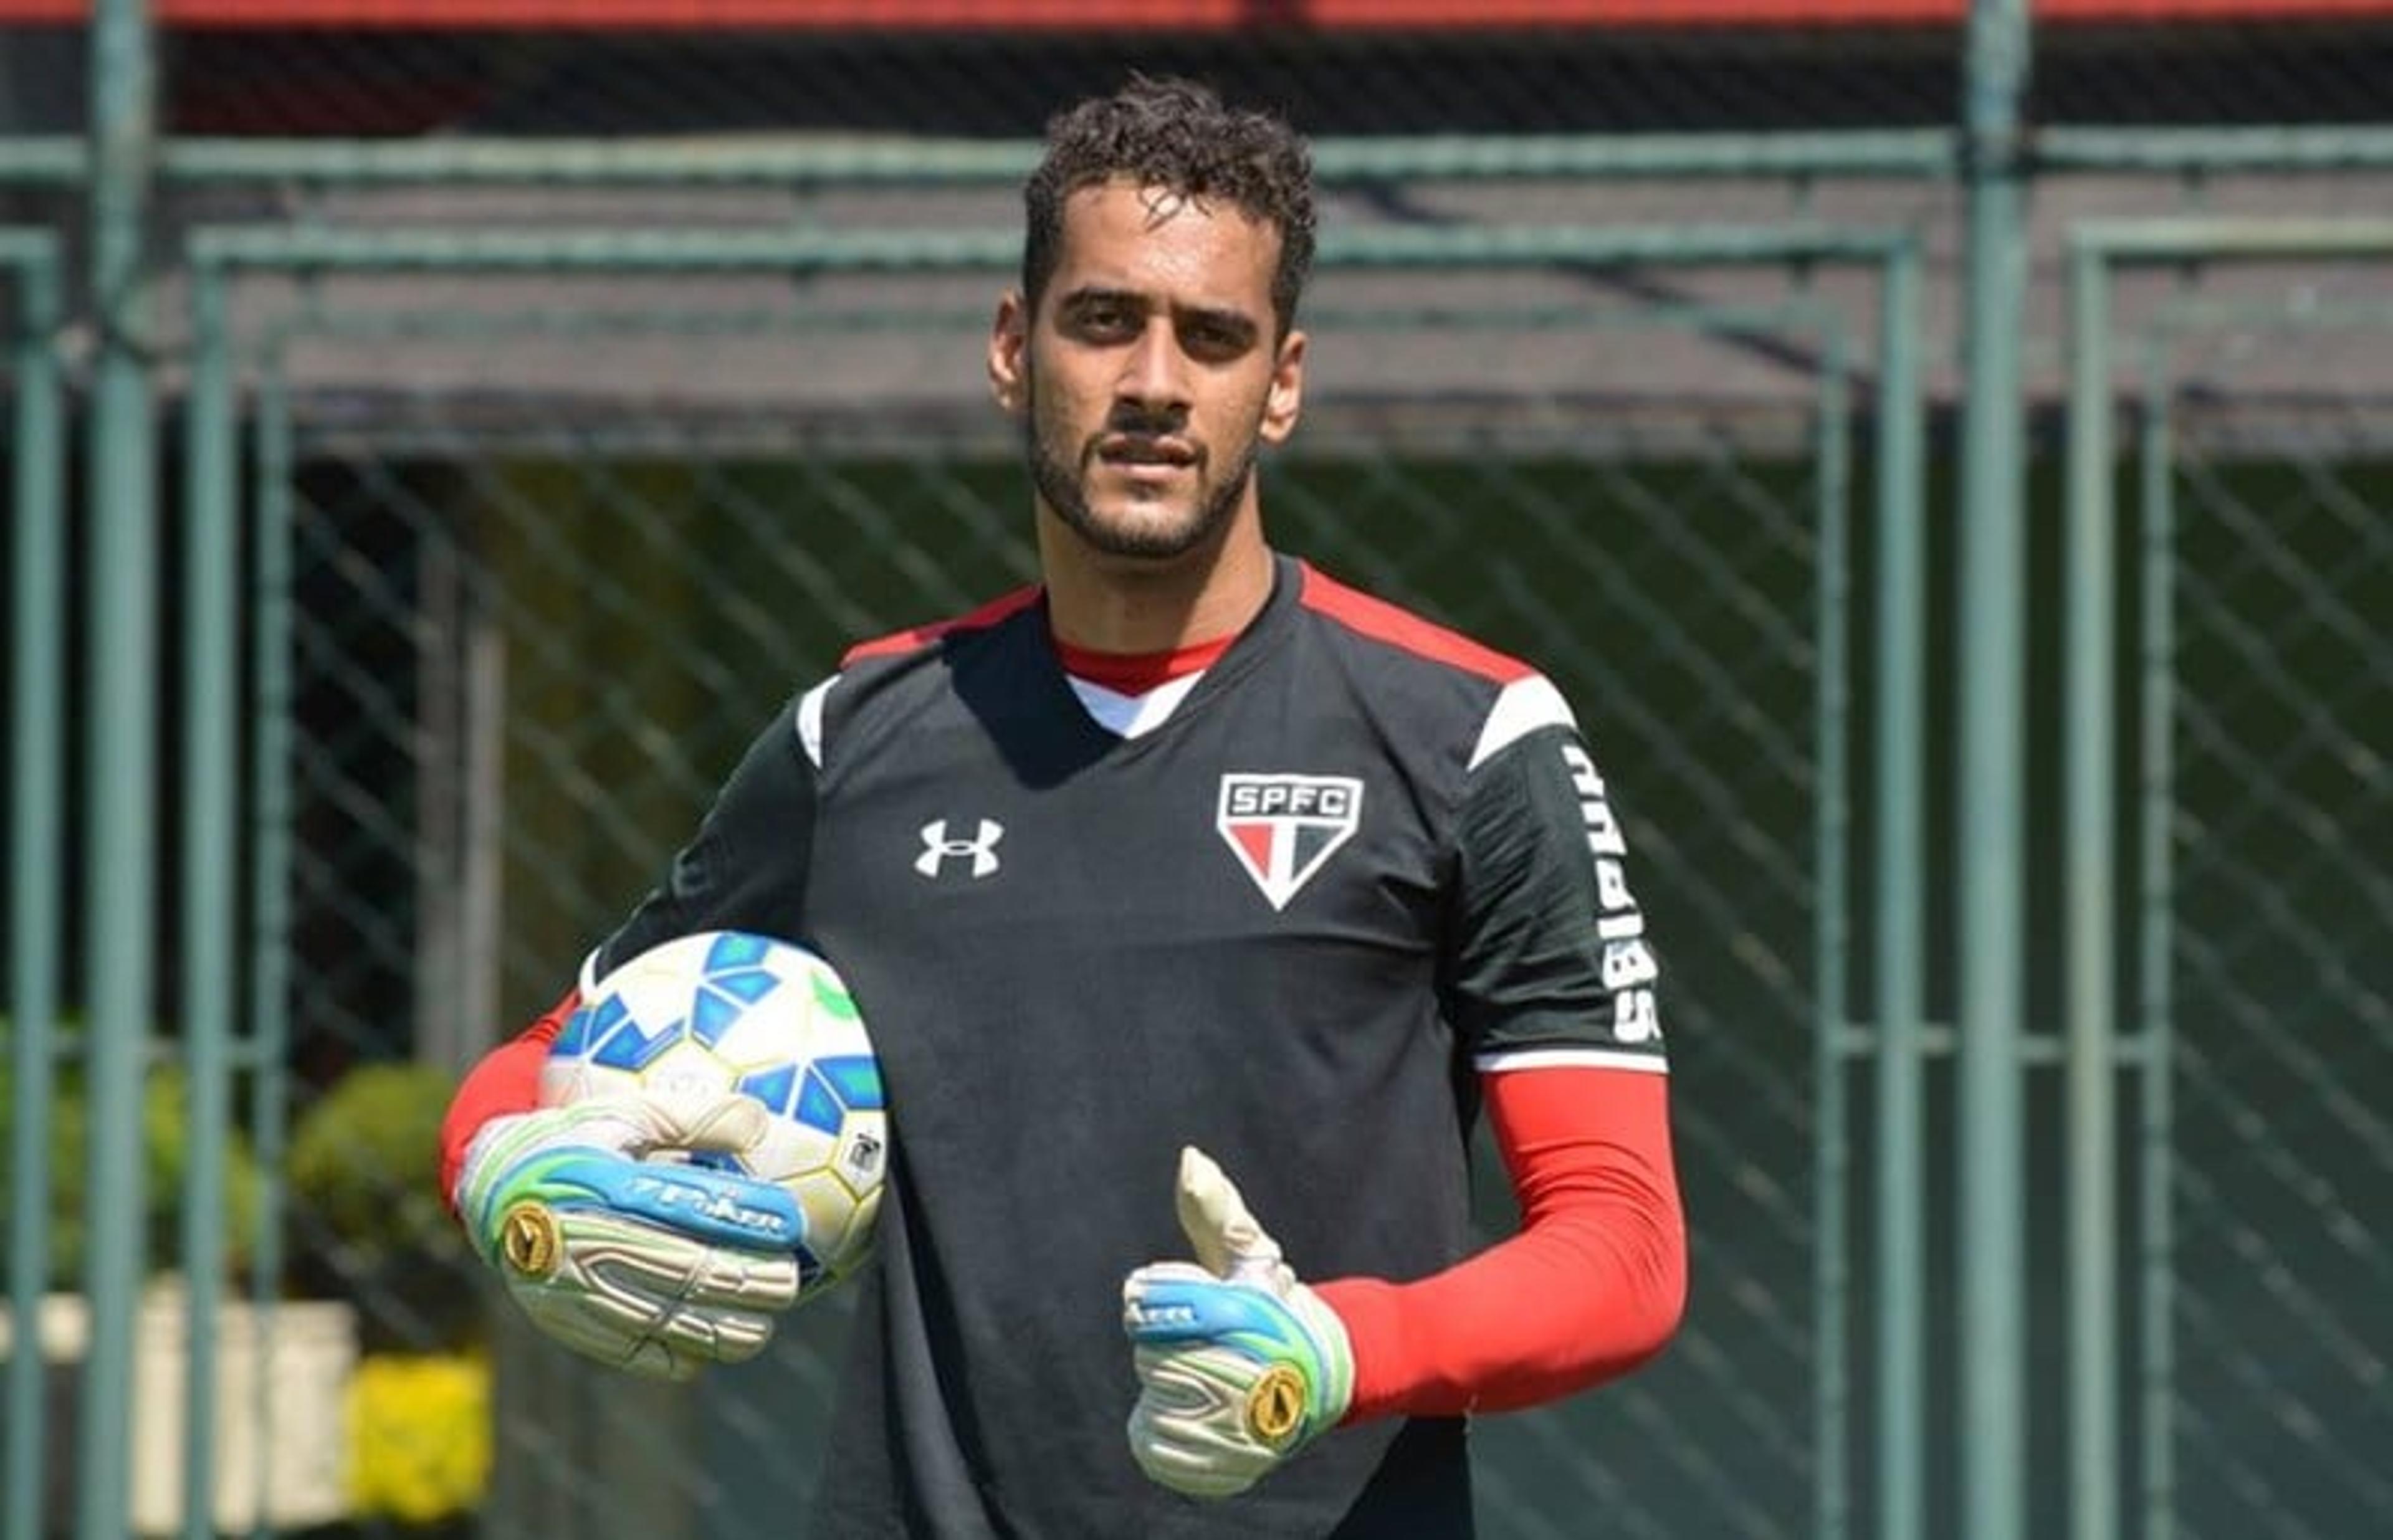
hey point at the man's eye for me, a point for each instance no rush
(1209, 340)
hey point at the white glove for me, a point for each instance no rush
(1239, 1364)
(653, 1267)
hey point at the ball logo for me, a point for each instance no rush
(1284, 827)
(862, 1160)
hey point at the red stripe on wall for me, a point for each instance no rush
(1157, 14)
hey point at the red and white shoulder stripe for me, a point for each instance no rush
(808, 719)
(1382, 621)
(898, 642)
(1526, 700)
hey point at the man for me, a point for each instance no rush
(1185, 894)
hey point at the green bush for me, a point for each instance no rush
(165, 1131)
(368, 1217)
(365, 1161)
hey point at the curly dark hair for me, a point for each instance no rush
(1178, 135)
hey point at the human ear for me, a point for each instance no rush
(1009, 341)
(1285, 399)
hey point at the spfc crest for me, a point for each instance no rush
(1284, 828)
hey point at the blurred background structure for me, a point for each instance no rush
(1946, 451)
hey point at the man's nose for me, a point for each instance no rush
(1155, 375)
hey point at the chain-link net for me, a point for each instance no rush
(2278, 897)
(1341, 79)
(530, 641)
(558, 544)
(377, 79)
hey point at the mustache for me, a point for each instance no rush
(1145, 429)
(1130, 422)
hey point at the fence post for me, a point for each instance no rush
(121, 816)
(210, 807)
(1900, 755)
(2090, 764)
(38, 730)
(1993, 722)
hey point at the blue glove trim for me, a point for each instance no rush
(716, 1207)
(1170, 1312)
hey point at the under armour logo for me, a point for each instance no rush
(937, 847)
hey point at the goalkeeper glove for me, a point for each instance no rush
(1239, 1366)
(652, 1267)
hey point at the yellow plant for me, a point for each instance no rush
(419, 1435)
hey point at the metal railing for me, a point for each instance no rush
(1769, 1420)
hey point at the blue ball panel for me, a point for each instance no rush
(629, 1048)
(817, 1107)
(857, 1078)
(574, 1037)
(736, 949)
(746, 985)
(772, 1087)
(711, 1016)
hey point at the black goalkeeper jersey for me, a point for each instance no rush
(1361, 861)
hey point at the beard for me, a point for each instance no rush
(1062, 480)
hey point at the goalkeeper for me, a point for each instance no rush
(1199, 905)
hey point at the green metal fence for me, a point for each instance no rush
(2019, 837)
(643, 583)
(2264, 880)
(2259, 1050)
(37, 802)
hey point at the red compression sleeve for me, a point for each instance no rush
(1591, 1285)
(505, 1080)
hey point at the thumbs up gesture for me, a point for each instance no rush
(1239, 1366)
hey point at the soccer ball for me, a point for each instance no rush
(725, 1010)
